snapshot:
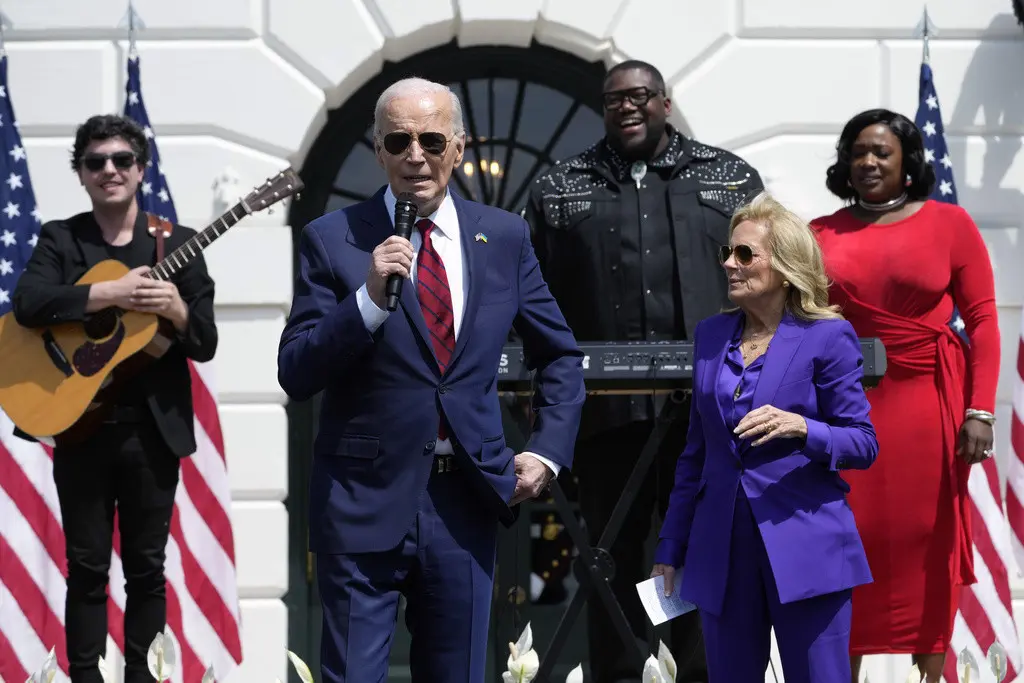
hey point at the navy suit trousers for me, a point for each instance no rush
(444, 566)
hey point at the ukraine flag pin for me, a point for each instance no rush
(480, 237)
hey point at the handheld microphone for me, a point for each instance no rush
(405, 218)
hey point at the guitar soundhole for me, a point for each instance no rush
(103, 324)
(91, 357)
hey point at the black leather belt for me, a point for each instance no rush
(445, 463)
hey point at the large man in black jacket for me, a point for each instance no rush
(131, 461)
(627, 234)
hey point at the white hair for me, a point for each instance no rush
(409, 87)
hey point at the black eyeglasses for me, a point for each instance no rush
(638, 96)
(744, 254)
(431, 143)
(97, 162)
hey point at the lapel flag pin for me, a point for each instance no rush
(480, 237)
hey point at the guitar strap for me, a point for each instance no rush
(160, 229)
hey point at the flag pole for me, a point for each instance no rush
(925, 30)
(133, 22)
(5, 23)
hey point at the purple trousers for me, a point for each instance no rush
(813, 634)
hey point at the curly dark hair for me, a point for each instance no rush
(104, 127)
(922, 175)
(1018, 11)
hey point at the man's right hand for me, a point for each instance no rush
(393, 255)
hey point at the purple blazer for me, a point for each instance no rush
(794, 488)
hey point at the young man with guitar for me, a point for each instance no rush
(130, 459)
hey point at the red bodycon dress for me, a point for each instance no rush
(899, 282)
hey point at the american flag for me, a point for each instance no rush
(31, 543)
(986, 609)
(202, 594)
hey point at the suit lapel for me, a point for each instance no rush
(713, 370)
(475, 256)
(376, 216)
(777, 360)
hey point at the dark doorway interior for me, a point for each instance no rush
(524, 108)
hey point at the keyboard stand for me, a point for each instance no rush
(595, 566)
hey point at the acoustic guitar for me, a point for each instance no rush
(56, 383)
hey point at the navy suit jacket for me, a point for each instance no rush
(382, 392)
(796, 494)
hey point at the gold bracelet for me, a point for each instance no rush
(982, 415)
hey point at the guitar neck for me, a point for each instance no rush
(178, 259)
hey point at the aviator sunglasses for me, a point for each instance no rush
(431, 143)
(97, 162)
(744, 254)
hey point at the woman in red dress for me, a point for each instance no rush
(898, 263)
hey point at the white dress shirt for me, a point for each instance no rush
(446, 240)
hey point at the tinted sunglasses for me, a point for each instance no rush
(638, 96)
(431, 143)
(744, 254)
(97, 162)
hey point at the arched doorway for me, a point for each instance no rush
(524, 109)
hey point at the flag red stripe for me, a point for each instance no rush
(1017, 435)
(115, 615)
(983, 546)
(30, 598)
(33, 508)
(1020, 356)
(205, 407)
(207, 506)
(205, 594)
(10, 667)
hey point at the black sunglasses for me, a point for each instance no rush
(431, 143)
(97, 162)
(744, 254)
(638, 96)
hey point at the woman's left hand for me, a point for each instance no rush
(768, 422)
(975, 441)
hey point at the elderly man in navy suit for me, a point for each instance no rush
(411, 474)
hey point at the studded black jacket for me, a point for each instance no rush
(590, 213)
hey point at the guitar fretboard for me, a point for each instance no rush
(187, 252)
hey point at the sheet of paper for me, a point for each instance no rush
(660, 608)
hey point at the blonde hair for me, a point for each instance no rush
(795, 255)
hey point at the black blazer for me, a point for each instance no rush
(46, 295)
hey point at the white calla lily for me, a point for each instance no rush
(105, 673)
(967, 668)
(666, 662)
(652, 671)
(523, 662)
(49, 670)
(576, 675)
(301, 668)
(162, 657)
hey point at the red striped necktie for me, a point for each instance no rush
(435, 302)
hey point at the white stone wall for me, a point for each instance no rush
(245, 84)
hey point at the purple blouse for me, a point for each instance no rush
(736, 384)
